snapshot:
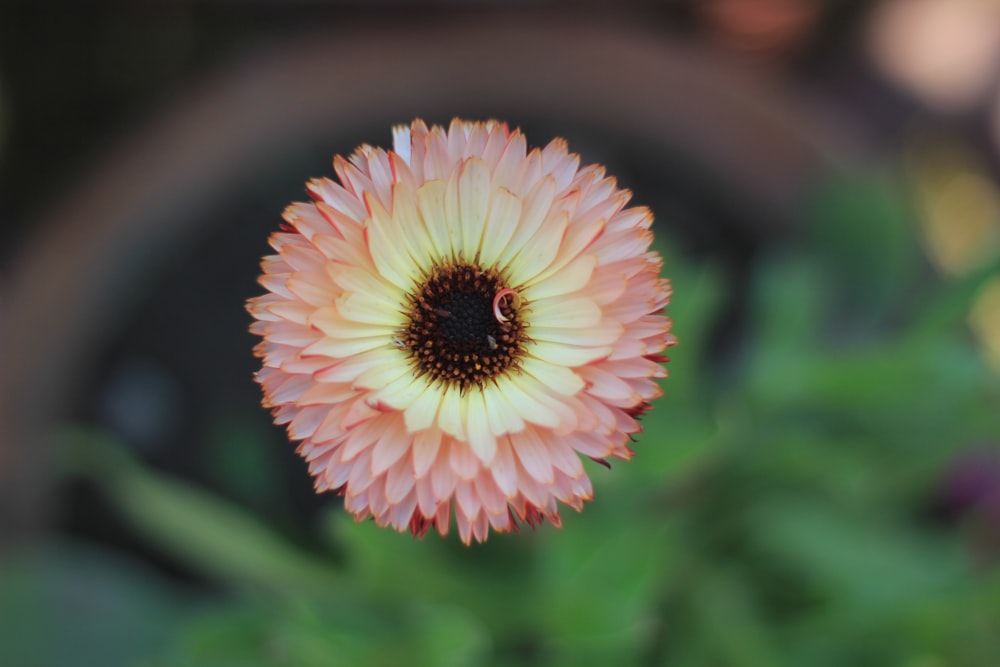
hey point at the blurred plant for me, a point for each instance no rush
(958, 203)
(970, 496)
(776, 513)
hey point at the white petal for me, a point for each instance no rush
(331, 429)
(381, 175)
(532, 454)
(360, 439)
(335, 195)
(503, 418)
(535, 209)
(466, 499)
(422, 413)
(401, 513)
(504, 469)
(376, 500)
(562, 406)
(443, 478)
(293, 311)
(431, 207)
(348, 369)
(401, 393)
(390, 259)
(390, 448)
(565, 458)
(513, 155)
(569, 279)
(463, 460)
(437, 165)
(409, 229)
(452, 219)
(358, 413)
(286, 333)
(528, 173)
(481, 438)
(579, 237)
(609, 387)
(580, 312)
(305, 423)
(534, 491)
(567, 355)
(361, 477)
(425, 449)
(505, 212)
(326, 393)
(557, 378)
(450, 413)
(473, 204)
(496, 144)
(401, 141)
(525, 405)
(334, 325)
(557, 160)
(301, 258)
(426, 501)
(336, 474)
(362, 281)
(313, 287)
(492, 498)
(398, 483)
(602, 334)
(360, 308)
(538, 252)
(290, 389)
(381, 376)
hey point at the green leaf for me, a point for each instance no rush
(865, 568)
(731, 621)
(602, 585)
(861, 234)
(213, 536)
(67, 604)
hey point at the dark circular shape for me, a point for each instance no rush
(454, 335)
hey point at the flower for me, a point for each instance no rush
(457, 320)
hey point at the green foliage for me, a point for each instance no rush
(776, 513)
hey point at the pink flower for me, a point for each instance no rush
(458, 319)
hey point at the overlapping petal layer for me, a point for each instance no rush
(404, 444)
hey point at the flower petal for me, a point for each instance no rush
(422, 412)
(390, 259)
(425, 449)
(554, 312)
(481, 437)
(504, 216)
(567, 355)
(473, 205)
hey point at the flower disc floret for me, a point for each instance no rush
(455, 335)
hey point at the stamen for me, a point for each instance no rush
(497, 302)
(461, 330)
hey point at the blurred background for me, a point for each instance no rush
(820, 484)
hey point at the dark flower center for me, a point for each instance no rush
(454, 334)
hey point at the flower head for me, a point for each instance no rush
(453, 323)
